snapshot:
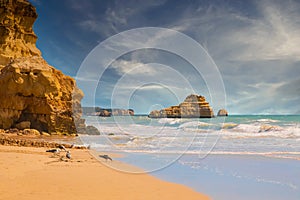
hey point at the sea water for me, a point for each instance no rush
(234, 157)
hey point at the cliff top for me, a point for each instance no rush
(17, 38)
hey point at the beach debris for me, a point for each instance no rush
(62, 147)
(68, 155)
(106, 157)
(54, 151)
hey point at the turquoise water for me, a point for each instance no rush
(272, 135)
(236, 157)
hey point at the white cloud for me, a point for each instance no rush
(91, 25)
(263, 98)
(116, 16)
(162, 81)
(253, 51)
(257, 53)
(133, 67)
(274, 37)
(232, 34)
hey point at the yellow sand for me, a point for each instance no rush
(31, 173)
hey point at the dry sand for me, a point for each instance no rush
(31, 173)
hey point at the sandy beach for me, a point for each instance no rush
(31, 173)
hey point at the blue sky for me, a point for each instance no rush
(254, 44)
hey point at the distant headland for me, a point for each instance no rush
(106, 112)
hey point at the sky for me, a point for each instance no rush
(248, 53)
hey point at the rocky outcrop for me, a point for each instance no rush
(23, 125)
(17, 38)
(122, 112)
(34, 92)
(25, 138)
(222, 113)
(115, 112)
(194, 106)
(91, 130)
(106, 112)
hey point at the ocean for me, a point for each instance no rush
(235, 157)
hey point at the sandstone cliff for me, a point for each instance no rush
(33, 91)
(33, 94)
(194, 106)
(17, 38)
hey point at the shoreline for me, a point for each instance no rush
(31, 173)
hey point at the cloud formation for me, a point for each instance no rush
(255, 45)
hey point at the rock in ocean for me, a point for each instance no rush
(194, 106)
(222, 113)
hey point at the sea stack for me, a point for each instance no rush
(222, 113)
(194, 106)
(31, 91)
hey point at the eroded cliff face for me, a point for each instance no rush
(194, 106)
(17, 38)
(33, 91)
(33, 94)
